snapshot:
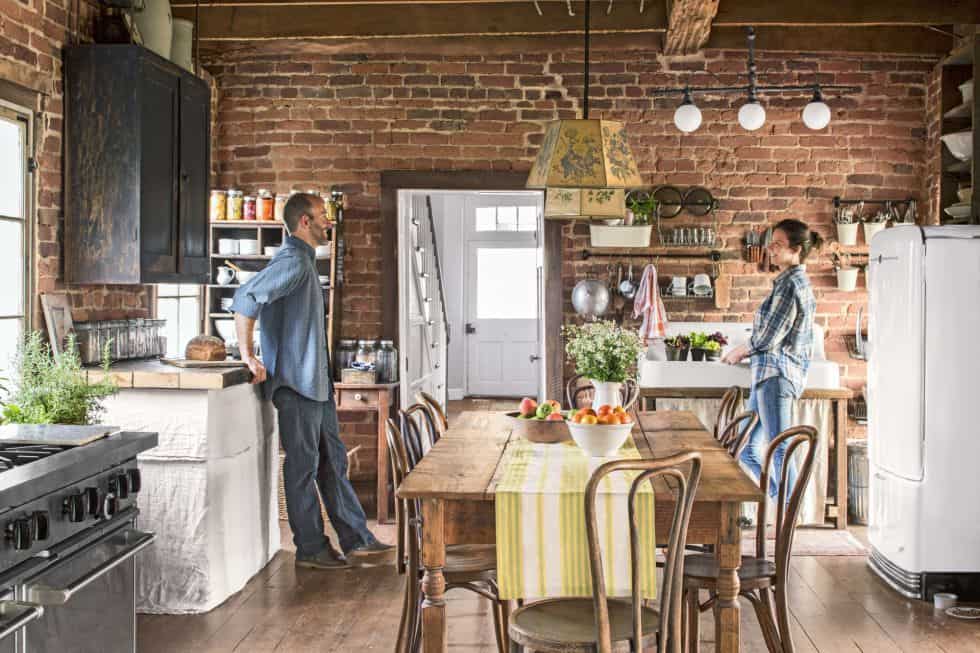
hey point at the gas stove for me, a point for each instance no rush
(68, 523)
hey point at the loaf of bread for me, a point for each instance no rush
(205, 348)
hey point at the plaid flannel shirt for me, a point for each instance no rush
(782, 332)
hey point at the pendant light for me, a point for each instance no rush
(687, 118)
(816, 114)
(751, 115)
(584, 153)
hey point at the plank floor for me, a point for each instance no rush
(838, 606)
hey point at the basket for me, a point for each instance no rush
(539, 430)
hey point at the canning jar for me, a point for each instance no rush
(234, 209)
(344, 356)
(387, 362)
(248, 208)
(279, 211)
(219, 205)
(367, 352)
(264, 205)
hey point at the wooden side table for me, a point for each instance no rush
(373, 398)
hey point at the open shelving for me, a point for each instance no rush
(961, 65)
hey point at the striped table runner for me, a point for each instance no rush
(542, 548)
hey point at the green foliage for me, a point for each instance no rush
(678, 342)
(643, 207)
(603, 351)
(49, 391)
(711, 345)
(698, 340)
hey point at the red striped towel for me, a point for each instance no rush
(649, 304)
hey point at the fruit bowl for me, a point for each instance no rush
(542, 431)
(600, 440)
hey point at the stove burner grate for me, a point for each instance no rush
(14, 455)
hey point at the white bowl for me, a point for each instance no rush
(959, 144)
(248, 246)
(227, 246)
(965, 194)
(600, 440)
(324, 279)
(958, 211)
(966, 90)
(246, 275)
(270, 250)
(226, 330)
(322, 251)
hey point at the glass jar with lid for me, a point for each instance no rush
(265, 205)
(387, 362)
(344, 356)
(248, 208)
(367, 352)
(218, 205)
(235, 205)
(279, 209)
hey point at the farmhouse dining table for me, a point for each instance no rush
(456, 481)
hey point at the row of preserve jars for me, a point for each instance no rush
(234, 205)
(384, 356)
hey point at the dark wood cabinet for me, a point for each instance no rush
(137, 158)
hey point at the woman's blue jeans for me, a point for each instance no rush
(772, 400)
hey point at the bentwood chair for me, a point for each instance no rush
(601, 624)
(762, 580)
(730, 402)
(735, 435)
(438, 413)
(470, 567)
(579, 392)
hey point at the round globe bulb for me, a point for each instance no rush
(816, 115)
(751, 116)
(687, 118)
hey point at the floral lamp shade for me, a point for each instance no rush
(584, 154)
(565, 203)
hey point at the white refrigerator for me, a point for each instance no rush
(923, 409)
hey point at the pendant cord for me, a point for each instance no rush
(585, 103)
(752, 75)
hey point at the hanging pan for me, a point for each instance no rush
(698, 201)
(670, 201)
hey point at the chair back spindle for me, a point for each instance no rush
(730, 402)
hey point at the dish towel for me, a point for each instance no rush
(649, 304)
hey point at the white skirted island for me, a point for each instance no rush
(209, 487)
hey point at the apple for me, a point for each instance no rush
(528, 406)
(589, 419)
(544, 410)
(554, 404)
(555, 417)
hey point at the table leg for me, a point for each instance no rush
(384, 398)
(434, 625)
(726, 608)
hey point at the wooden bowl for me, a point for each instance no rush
(539, 430)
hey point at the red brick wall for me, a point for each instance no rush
(299, 120)
(32, 33)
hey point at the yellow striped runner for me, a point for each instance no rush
(542, 549)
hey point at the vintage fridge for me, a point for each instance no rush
(924, 410)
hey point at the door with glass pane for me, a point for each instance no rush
(503, 278)
(14, 231)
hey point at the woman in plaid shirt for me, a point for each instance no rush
(780, 347)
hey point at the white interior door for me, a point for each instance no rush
(503, 278)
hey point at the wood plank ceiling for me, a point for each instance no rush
(678, 27)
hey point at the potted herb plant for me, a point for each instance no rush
(874, 224)
(49, 390)
(677, 348)
(698, 342)
(847, 225)
(846, 274)
(636, 229)
(604, 353)
(712, 348)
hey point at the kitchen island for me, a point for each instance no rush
(210, 486)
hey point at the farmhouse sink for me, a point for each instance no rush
(823, 374)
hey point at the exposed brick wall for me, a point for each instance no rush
(32, 33)
(293, 121)
(934, 122)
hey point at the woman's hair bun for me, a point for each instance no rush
(816, 240)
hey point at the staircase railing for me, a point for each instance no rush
(437, 267)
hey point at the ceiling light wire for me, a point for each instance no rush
(537, 7)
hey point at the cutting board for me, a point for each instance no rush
(187, 363)
(54, 434)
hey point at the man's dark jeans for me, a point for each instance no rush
(316, 458)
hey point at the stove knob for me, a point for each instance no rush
(135, 480)
(109, 506)
(19, 531)
(92, 503)
(42, 526)
(74, 507)
(122, 486)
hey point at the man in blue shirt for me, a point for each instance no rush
(287, 298)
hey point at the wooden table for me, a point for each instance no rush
(456, 483)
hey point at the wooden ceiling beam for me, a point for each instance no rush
(688, 25)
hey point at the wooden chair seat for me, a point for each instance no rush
(469, 560)
(702, 571)
(569, 625)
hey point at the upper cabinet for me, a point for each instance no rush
(136, 163)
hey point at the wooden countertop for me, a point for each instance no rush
(154, 374)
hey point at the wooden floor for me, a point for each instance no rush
(838, 606)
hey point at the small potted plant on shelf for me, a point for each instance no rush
(873, 224)
(633, 230)
(698, 342)
(846, 274)
(677, 348)
(712, 348)
(847, 224)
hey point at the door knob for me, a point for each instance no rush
(533, 358)
(470, 328)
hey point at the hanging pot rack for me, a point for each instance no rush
(840, 201)
(713, 255)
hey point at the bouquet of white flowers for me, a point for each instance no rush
(603, 351)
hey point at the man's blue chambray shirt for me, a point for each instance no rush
(782, 332)
(287, 299)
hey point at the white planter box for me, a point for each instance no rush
(620, 236)
(847, 234)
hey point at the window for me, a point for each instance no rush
(506, 283)
(180, 305)
(507, 218)
(15, 235)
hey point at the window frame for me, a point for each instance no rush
(155, 297)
